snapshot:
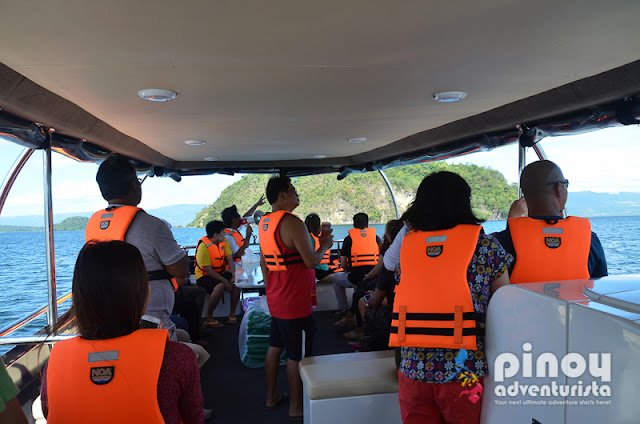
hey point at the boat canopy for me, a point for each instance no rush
(310, 87)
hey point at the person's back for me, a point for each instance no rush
(546, 246)
(287, 259)
(161, 254)
(139, 373)
(449, 268)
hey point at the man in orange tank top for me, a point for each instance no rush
(545, 192)
(289, 250)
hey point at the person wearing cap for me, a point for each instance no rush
(232, 221)
(567, 248)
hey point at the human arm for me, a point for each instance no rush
(247, 241)
(179, 390)
(597, 263)
(518, 208)
(10, 409)
(179, 270)
(392, 255)
(375, 270)
(253, 208)
(345, 253)
(263, 267)
(502, 280)
(295, 235)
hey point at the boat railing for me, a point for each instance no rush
(4, 332)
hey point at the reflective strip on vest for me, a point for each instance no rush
(364, 247)
(273, 257)
(316, 244)
(106, 381)
(550, 252)
(237, 237)
(433, 305)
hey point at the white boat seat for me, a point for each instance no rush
(349, 374)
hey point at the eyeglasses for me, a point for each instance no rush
(566, 182)
(141, 180)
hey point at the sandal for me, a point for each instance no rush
(215, 323)
(232, 320)
(278, 403)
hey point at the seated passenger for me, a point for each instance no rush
(567, 250)
(215, 272)
(382, 297)
(359, 254)
(312, 221)
(449, 267)
(232, 221)
(10, 409)
(115, 371)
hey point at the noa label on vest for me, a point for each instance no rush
(434, 251)
(104, 225)
(102, 375)
(552, 242)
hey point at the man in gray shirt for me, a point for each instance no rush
(162, 256)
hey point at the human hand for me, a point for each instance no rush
(260, 201)
(518, 208)
(326, 238)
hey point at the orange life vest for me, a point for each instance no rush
(273, 257)
(112, 224)
(433, 305)
(216, 256)
(364, 247)
(237, 237)
(106, 381)
(316, 245)
(335, 265)
(550, 252)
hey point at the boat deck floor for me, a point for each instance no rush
(236, 393)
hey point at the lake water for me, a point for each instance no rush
(24, 276)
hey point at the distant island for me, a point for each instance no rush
(73, 223)
(337, 201)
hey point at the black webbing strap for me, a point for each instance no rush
(160, 274)
(426, 331)
(478, 317)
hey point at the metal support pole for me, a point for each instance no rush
(52, 315)
(13, 174)
(539, 151)
(522, 161)
(393, 193)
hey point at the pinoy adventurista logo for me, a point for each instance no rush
(573, 379)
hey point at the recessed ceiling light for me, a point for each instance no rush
(157, 94)
(194, 142)
(211, 159)
(357, 139)
(320, 156)
(450, 96)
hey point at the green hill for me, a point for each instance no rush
(73, 223)
(337, 201)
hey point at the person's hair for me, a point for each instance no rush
(312, 221)
(110, 289)
(228, 214)
(361, 220)
(214, 227)
(115, 176)
(443, 200)
(275, 186)
(391, 230)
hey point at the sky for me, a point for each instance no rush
(604, 161)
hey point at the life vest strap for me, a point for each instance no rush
(283, 256)
(160, 274)
(476, 316)
(428, 331)
(289, 262)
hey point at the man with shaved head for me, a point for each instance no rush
(546, 246)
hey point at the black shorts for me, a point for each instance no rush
(287, 333)
(208, 283)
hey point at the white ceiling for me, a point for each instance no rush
(286, 80)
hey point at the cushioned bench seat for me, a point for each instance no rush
(351, 387)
